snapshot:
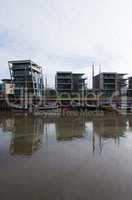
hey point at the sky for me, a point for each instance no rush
(67, 35)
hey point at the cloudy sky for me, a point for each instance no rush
(67, 35)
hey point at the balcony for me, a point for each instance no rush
(109, 77)
(63, 83)
(64, 77)
(62, 89)
(109, 83)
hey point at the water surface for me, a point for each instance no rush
(80, 158)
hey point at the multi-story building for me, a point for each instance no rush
(130, 82)
(1, 88)
(6, 94)
(129, 92)
(68, 82)
(108, 82)
(8, 87)
(26, 76)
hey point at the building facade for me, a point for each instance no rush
(108, 83)
(130, 82)
(1, 88)
(129, 92)
(68, 82)
(8, 87)
(26, 76)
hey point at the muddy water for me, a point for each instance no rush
(80, 158)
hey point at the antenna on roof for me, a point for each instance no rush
(93, 75)
(93, 70)
(100, 69)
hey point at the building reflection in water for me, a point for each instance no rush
(6, 123)
(130, 122)
(107, 127)
(27, 135)
(69, 128)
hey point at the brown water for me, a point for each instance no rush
(65, 158)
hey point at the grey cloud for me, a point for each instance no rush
(67, 33)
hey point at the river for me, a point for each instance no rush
(65, 158)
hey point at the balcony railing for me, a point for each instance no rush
(64, 77)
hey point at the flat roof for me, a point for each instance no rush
(23, 62)
(6, 80)
(64, 72)
(69, 72)
(81, 74)
(123, 74)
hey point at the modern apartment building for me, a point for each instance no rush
(68, 82)
(130, 82)
(108, 82)
(26, 76)
(129, 92)
(8, 87)
(6, 94)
